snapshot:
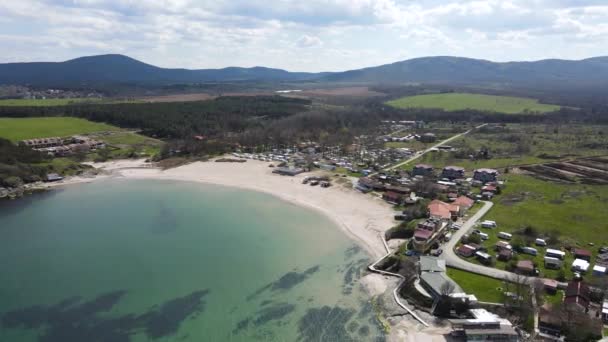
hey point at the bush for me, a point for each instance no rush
(12, 181)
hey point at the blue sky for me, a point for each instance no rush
(309, 35)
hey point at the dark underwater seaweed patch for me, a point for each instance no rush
(74, 320)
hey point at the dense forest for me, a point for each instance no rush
(176, 120)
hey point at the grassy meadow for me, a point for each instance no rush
(463, 101)
(485, 289)
(16, 129)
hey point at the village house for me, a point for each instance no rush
(525, 267)
(466, 251)
(392, 197)
(485, 175)
(577, 295)
(453, 172)
(483, 326)
(422, 170)
(42, 142)
(443, 211)
(464, 202)
(426, 233)
(428, 138)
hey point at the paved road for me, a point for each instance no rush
(420, 154)
(455, 261)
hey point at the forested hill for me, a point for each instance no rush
(122, 69)
(117, 69)
(456, 70)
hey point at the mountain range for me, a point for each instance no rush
(109, 69)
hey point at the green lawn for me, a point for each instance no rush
(16, 129)
(576, 211)
(46, 102)
(463, 101)
(484, 288)
(573, 213)
(126, 141)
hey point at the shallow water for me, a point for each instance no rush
(123, 260)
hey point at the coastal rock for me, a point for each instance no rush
(374, 284)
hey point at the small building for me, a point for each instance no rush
(285, 171)
(392, 197)
(453, 172)
(431, 264)
(428, 138)
(500, 245)
(550, 285)
(489, 188)
(580, 265)
(443, 211)
(605, 311)
(582, 254)
(435, 283)
(422, 170)
(484, 326)
(485, 175)
(577, 294)
(505, 254)
(525, 267)
(466, 251)
(464, 202)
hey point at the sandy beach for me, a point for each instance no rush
(362, 218)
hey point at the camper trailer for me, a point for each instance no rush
(504, 236)
(529, 250)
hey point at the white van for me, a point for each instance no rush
(488, 224)
(483, 236)
(540, 242)
(529, 250)
(504, 236)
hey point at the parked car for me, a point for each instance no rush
(603, 250)
(314, 182)
(437, 252)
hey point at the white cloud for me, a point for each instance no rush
(301, 35)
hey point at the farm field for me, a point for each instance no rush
(463, 101)
(16, 129)
(485, 289)
(46, 102)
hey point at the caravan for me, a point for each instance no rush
(529, 250)
(504, 236)
(488, 224)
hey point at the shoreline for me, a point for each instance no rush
(362, 218)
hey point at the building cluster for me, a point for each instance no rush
(32, 94)
(577, 311)
(60, 147)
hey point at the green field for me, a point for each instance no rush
(16, 129)
(520, 144)
(573, 214)
(463, 101)
(46, 102)
(128, 141)
(484, 288)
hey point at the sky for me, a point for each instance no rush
(305, 35)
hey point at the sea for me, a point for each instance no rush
(147, 260)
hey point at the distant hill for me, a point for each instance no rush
(457, 70)
(444, 70)
(123, 69)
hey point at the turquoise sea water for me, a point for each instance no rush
(123, 260)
